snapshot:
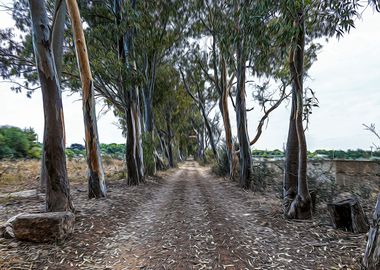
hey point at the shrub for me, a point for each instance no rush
(18, 143)
(260, 176)
(209, 157)
(69, 153)
(221, 166)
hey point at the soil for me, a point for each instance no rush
(186, 218)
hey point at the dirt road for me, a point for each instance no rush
(190, 220)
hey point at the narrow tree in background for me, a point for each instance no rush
(57, 184)
(200, 100)
(96, 182)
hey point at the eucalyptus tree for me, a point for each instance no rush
(157, 28)
(211, 20)
(19, 65)
(173, 109)
(110, 47)
(203, 97)
(57, 184)
(162, 25)
(296, 25)
(96, 182)
(130, 91)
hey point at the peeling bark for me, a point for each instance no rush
(96, 182)
(54, 166)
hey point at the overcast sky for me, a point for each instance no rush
(346, 79)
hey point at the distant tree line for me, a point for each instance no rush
(113, 150)
(17, 143)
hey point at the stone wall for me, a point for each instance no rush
(354, 173)
(345, 173)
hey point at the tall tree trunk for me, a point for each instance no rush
(300, 208)
(223, 105)
(58, 31)
(164, 149)
(134, 153)
(291, 159)
(138, 133)
(241, 115)
(209, 131)
(57, 184)
(96, 182)
(57, 47)
(132, 165)
(169, 138)
(148, 112)
(202, 146)
(148, 93)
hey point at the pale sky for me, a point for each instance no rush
(345, 78)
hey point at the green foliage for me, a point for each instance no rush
(75, 150)
(349, 154)
(114, 150)
(70, 154)
(18, 143)
(267, 153)
(35, 151)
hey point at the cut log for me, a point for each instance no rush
(6, 229)
(346, 213)
(371, 260)
(43, 227)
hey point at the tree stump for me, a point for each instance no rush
(347, 214)
(371, 260)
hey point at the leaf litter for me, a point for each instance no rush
(185, 219)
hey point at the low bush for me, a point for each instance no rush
(221, 166)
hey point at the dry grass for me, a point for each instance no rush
(24, 174)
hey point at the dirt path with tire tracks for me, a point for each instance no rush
(187, 219)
